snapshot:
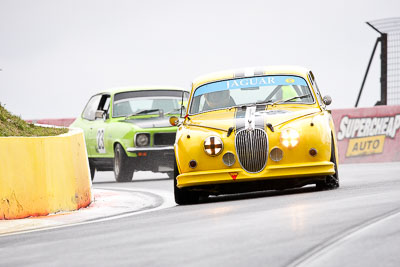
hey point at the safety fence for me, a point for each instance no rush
(389, 30)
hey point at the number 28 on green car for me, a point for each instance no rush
(128, 130)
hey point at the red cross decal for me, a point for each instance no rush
(212, 146)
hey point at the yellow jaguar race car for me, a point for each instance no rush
(251, 130)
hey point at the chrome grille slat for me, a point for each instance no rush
(252, 149)
(253, 136)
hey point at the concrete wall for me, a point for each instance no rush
(42, 175)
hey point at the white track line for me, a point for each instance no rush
(167, 202)
(324, 247)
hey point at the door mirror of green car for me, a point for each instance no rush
(100, 114)
(183, 111)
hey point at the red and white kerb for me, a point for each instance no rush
(213, 145)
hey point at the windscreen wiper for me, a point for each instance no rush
(144, 111)
(172, 111)
(290, 99)
(264, 102)
(243, 106)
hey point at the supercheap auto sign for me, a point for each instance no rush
(368, 134)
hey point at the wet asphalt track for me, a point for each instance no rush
(356, 225)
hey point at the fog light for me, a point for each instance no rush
(192, 164)
(229, 159)
(290, 138)
(276, 154)
(313, 152)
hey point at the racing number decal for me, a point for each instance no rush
(100, 141)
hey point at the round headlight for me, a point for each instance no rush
(213, 145)
(142, 140)
(290, 138)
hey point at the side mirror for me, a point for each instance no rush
(100, 114)
(327, 100)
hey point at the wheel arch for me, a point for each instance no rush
(118, 142)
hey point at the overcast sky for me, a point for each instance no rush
(55, 54)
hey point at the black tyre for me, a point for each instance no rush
(331, 181)
(182, 195)
(123, 169)
(92, 169)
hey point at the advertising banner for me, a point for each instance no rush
(368, 134)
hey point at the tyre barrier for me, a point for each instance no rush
(43, 175)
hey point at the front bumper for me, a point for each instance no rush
(156, 159)
(145, 149)
(224, 176)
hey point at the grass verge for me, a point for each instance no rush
(11, 125)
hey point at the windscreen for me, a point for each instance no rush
(147, 103)
(278, 89)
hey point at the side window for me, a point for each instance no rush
(315, 86)
(90, 110)
(104, 103)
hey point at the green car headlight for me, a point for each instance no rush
(142, 139)
(213, 145)
(290, 138)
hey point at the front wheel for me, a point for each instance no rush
(182, 195)
(123, 169)
(331, 181)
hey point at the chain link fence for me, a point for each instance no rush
(390, 41)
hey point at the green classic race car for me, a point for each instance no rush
(129, 130)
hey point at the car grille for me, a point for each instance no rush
(164, 139)
(252, 149)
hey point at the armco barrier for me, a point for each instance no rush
(42, 175)
(368, 134)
